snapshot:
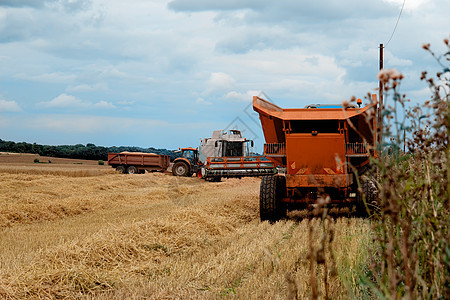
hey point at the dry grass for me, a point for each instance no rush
(23, 163)
(28, 159)
(156, 236)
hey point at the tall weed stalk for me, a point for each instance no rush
(411, 247)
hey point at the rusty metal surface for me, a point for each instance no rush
(139, 160)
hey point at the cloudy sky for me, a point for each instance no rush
(166, 73)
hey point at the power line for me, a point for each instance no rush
(398, 19)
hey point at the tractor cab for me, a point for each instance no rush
(191, 154)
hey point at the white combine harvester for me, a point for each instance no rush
(226, 154)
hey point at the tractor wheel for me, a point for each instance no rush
(121, 169)
(132, 170)
(271, 191)
(367, 201)
(180, 169)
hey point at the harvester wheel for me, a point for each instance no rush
(281, 193)
(271, 191)
(120, 169)
(132, 170)
(369, 205)
(180, 169)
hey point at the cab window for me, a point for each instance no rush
(188, 154)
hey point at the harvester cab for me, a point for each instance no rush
(323, 148)
(224, 144)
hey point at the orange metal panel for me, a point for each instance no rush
(265, 107)
(336, 181)
(247, 162)
(185, 160)
(314, 153)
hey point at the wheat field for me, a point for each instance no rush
(65, 233)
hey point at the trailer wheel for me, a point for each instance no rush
(281, 193)
(180, 169)
(271, 192)
(132, 170)
(121, 169)
(367, 201)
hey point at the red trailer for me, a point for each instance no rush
(138, 162)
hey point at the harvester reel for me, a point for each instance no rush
(272, 190)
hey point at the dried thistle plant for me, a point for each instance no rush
(411, 255)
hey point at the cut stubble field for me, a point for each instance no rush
(103, 235)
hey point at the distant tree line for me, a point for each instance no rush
(78, 151)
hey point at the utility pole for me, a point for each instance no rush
(380, 96)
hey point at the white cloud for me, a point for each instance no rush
(245, 97)
(126, 102)
(9, 106)
(104, 104)
(88, 124)
(87, 88)
(202, 101)
(72, 102)
(65, 101)
(410, 4)
(54, 77)
(218, 82)
(221, 80)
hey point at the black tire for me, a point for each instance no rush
(121, 169)
(132, 170)
(272, 190)
(281, 193)
(367, 201)
(180, 169)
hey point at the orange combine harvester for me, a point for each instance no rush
(322, 148)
